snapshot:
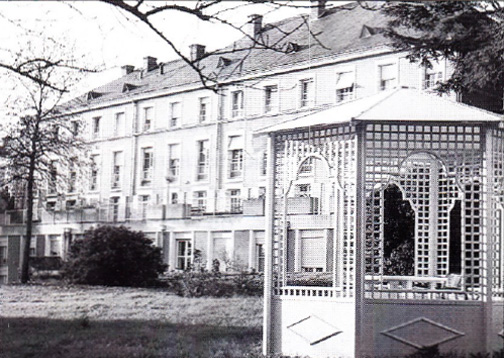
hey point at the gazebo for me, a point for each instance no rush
(385, 219)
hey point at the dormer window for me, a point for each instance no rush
(223, 62)
(432, 78)
(93, 95)
(127, 87)
(367, 31)
(292, 47)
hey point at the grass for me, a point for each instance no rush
(134, 323)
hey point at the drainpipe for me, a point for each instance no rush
(219, 145)
(134, 126)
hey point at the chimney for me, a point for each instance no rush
(127, 69)
(318, 9)
(150, 63)
(254, 25)
(197, 52)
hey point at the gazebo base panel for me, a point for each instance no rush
(326, 328)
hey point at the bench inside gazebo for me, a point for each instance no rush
(385, 229)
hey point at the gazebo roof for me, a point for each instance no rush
(402, 104)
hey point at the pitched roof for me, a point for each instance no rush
(402, 104)
(337, 32)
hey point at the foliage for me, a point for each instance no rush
(468, 33)
(399, 231)
(214, 284)
(114, 256)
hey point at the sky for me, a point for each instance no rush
(105, 37)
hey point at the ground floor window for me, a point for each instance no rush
(260, 257)
(183, 254)
(3, 255)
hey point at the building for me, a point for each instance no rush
(186, 164)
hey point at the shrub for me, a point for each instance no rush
(214, 284)
(114, 256)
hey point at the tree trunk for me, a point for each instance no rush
(25, 258)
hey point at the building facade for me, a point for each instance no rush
(186, 164)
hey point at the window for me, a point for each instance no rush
(93, 181)
(174, 198)
(72, 183)
(148, 119)
(54, 245)
(119, 124)
(96, 127)
(303, 190)
(235, 202)
(235, 157)
(147, 166)
(235, 163)
(306, 167)
(236, 104)
(114, 208)
(144, 202)
(75, 128)
(116, 170)
(306, 98)
(199, 201)
(183, 254)
(388, 76)
(260, 257)
(53, 179)
(344, 86)
(313, 251)
(3, 255)
(270, 99)
(432, 78)
(203, 109)
(173, 160)
(202, 167)
(175, 114)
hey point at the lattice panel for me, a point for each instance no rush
(337, 148)
(452, 168)
(497, 211)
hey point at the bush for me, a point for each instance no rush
(114, 256)
(214, 284)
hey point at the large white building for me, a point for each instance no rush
(186, 164)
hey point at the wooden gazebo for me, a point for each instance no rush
(385, 229)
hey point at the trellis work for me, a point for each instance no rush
(341, 279)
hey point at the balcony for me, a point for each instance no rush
(253, 207)
(302, 205)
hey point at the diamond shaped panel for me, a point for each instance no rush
(314, 330)
(422, 333)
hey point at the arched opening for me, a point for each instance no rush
(399, 234)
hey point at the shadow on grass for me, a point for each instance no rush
(50, 338)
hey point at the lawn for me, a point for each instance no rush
(93, 322)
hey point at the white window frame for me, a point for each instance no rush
(235, 201)
(96, 127)
(184, 255)
(117, 169)
(204, 102)
(94, 175)
(273, 106)
(202, 175)
(175, 118)
(237, 108)
(309, 101)
(379, 66)
(119, 128)
(148, 118)
(115, 202)
(147, 173)
(173, 164)
(4, 255)
(200, 202)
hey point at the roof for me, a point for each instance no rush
(402, 104)
(339, 31)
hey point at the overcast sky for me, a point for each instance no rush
(105, 36)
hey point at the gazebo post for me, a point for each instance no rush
(489, 237)
(268, 242)
(360, 235)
